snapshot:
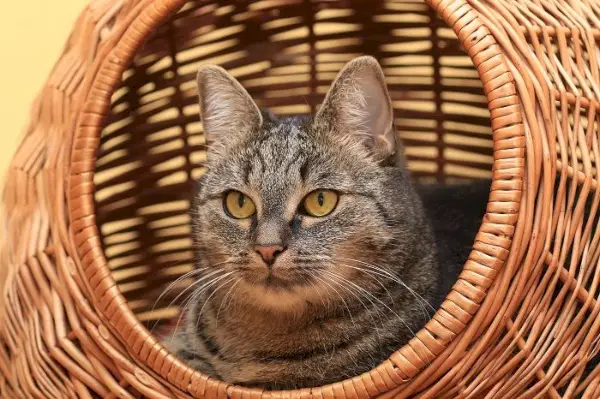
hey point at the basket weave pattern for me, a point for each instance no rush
(94, 218)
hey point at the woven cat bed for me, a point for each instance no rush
(95, 219)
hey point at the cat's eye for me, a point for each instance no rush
(320, 203)
(239, 205)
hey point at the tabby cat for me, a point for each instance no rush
(316, 257)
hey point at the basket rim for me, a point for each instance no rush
(486, 258)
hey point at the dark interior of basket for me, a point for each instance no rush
(286, 53)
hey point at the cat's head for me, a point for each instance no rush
(295, 212)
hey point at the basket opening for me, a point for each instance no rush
(286, 54)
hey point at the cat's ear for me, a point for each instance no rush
(226, 109)
(358, 106)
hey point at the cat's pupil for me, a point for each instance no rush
(241, 200)
(321, 198)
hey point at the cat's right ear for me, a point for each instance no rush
(226, 109)
(358, 108)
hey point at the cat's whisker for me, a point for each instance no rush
(341, 297)
(377, 311)
(185, 290)
(170, 287)
(183, 277)
(175, 282)
(420, 300)
(374, 275)
(198, 292)
(427, 316)
(224, 300)
(326, 305)
(322, 297)
(380, 302)
(196, 282)
(385, 273)
(207, 300)
(333, 279)
(195, 294)
(345, 304)
(194, 285)
(177, 263)
(398, 316)
(344, 283)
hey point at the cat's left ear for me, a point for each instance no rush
(358, 106)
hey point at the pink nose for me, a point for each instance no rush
(269, 252)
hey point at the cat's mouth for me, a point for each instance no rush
(275, 281)
(279, 277)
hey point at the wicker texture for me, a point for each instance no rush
(94, 220)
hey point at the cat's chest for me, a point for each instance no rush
(262, 337)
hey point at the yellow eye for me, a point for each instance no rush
(320, 203)
(239, 205)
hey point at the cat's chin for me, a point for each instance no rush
(274, 295)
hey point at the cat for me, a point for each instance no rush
(316, 256)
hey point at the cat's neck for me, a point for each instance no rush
(242, 311)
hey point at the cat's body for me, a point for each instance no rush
(324, 262)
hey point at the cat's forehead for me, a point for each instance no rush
(277, 143)
(284, 156)
(276, 159)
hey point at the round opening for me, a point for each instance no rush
(152, 149)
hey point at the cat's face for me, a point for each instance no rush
(294, 213)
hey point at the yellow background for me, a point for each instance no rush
(32, 35)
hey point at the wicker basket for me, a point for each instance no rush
(95, 223)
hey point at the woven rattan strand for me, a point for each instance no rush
(94, 218)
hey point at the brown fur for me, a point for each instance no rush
(352, 286)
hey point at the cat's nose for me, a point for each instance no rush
(269, 252)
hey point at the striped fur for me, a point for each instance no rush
(352, 286)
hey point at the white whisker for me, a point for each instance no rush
(225, 298)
